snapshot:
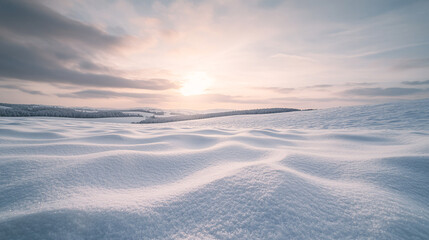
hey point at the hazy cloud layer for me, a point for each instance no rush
(22, 89)
(278, 89)
(105, 94)
(90, 94)
(416, 82)
(321, 86)
(412, 63)
(388, 92)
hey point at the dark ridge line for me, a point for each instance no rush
(35, 110)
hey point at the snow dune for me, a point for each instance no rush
(343, 173)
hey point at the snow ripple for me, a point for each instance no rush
(65, 179)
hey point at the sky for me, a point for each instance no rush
(214, 54)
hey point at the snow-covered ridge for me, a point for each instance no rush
(406, 115)
(217, 114)
(88, 179)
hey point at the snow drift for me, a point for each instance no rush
(343, 173)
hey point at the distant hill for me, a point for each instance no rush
(149, 115)
(32, 110)
(213, 115)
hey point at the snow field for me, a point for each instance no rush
(81, 179)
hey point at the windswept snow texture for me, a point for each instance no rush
(345, 173)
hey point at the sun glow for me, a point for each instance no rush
(196, 84)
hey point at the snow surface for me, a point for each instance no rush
(342, 173)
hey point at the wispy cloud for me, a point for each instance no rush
(22, 89)
(293, 57)
(381, 92)
(90, 94)
(224, 98)
(386, 50)
(408, 64)
(416, 82)
(359, 84)
(277, 89)
(320, 86)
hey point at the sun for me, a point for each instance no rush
(196, 83)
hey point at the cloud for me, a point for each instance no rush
(90, 66)
(293, 57)
(225, 98)
(38, 64)
(222, 98)
(299, 47)
(416, 82)
(33, 64)
(40, 45)
(89, 94)
(383, 92)
(30, 19)
(320, 86)
(359, 84)
(33, 92)
(412, 63)
(316, 100)
(277, 89)
(289, 90)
